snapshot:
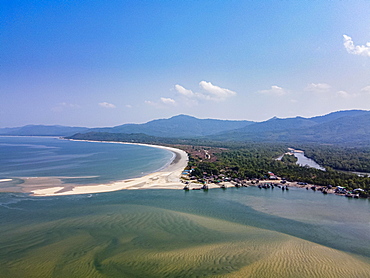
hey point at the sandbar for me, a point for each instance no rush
(167, 178)
(5, 180)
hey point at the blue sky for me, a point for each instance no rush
(105, 63)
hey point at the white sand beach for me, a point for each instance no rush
(168, 178)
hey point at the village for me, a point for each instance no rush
(271, 181)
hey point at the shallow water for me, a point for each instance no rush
(89, 162)
(245, 232)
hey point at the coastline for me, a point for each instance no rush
(167, 177)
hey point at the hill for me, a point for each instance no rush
(42, 130)
(342, 127)
(180, 126)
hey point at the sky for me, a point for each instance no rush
(106, 63)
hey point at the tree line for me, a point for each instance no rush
(254, 160)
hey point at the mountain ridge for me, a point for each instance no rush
(339, 127)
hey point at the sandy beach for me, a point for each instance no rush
(167, 178)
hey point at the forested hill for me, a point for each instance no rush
(344, 128)
(181, 126)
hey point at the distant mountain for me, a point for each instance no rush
(338, 114)
(42, 130)
(342, 127)
(350, 127)
(276, 124)
(181, 126)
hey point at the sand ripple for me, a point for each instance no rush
(141, 241)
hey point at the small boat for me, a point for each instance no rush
(186, 188)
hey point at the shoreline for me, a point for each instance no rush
(167, 177)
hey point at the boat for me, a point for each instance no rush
(204, 187)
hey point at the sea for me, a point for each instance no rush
(236, 232)
(79, 162)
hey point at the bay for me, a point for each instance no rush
(88, 162)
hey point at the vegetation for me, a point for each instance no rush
(289, 159)
(255, 160)
(248, 164)
(340, 158)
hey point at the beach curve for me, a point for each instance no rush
(166, 178)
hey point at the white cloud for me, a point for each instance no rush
(214, 92)
(163, 101)
(169, 101)
(366, 89)
(107, 105)
(210, 92)
(185, 92)
(351, 48)
(275, 90)
(318, 87)
(128, 106)
(344, 94)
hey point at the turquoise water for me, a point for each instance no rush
(92, 162)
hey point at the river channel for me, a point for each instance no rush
(303, 160)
